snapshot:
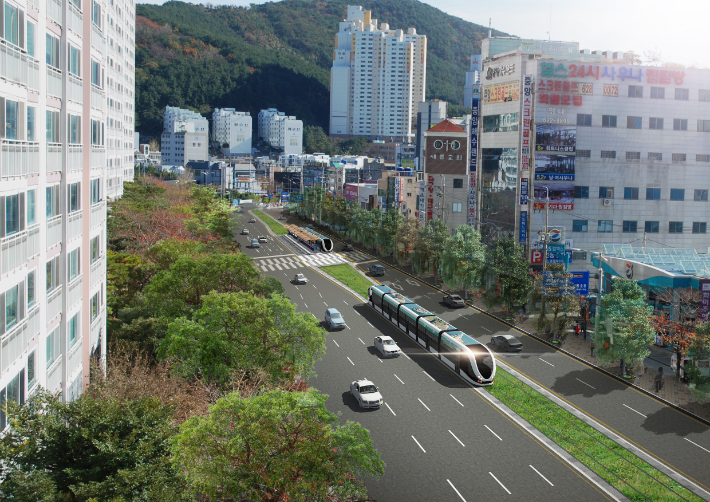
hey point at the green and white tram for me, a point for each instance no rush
(465, 355)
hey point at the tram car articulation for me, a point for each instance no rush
(462, 353)
(310, 238)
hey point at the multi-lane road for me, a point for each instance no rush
(440, 439)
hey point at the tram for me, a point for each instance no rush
(310, 238)
(463, 354)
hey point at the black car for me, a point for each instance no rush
(507, 342)
(348, 247)
(377, 270)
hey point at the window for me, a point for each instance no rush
(95, 248)
(73, 265)
(702, 158)
(15, 392)
(584, 154)
(52, 201)
(635, 91)
(31, 28)
(658, 93)
(584, 119)
(31, 370)
(704, 95)
(675, 227)
(12, 214)
(456, 207)
(52, 52)
(682, 94)
(631, 193)
(74, 60)
(606, 192)
(700, 227)
(52, 127)
(633, 155)
(608, 120)
(12, 24)
(633, 122)
(96, 73)
(629, 227)
(608, 154)
(52, 346)
(651, 227)
(74, 129)
(96, 191)
(73, 329)
(31, 289)
(677, 194)
(31, 121)
(52, 274)
(581, 192)
(703, 125)
(31, 207)
(605, 226)
(579, 225)
(678, 157)
(73, 197)
(94, 305)
(11, 306)
(653, 194)
(655, 156)
(680, 124)
(12, 111)
(655, 123)
(97, 132)
(458, 183)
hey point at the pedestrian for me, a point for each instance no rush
(640, 369)
(659, 379)
(577, 329)
(592, 349)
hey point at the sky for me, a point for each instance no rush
(676, 29)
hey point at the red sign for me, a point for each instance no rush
(536, 256)
(553, 205)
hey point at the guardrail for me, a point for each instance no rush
(54, 82)
(13, 251)
(19, 158)
(74, 225)
(54, 303)
(54, 230)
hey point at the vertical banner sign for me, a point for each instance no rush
(704, 306)
(523, 226)
(430, 197)
(422, 203)
(401, 190)
(473, 162)
(396, 189)
(523, 191)
(526, 122)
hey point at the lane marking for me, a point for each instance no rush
(420, 446)
(325, 304)
(351, 362)
(696, 444)
(424, 404)
(405, 355)
(379, 359)
(346, 303)
(543, 477)
(501, 484)
(487, 329)
(400, 380)
(456, 400)
(457, 492)
(489, 430)
(427, 374)
(301, 296)
(629, 407)
(541, 359)
(457, 439)
(320, 294)
(361, 340)
(306, 305)
(336, 343)
(585, 383)
(368, 322)
(388, 407)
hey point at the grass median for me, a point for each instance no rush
(348, 276)
(274, 225)
(626, 472)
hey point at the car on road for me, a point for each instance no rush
(310, 225)
(253, 220)
(507, 342)
(262, 238)
(245, 231)
(254, 243)
(386, 346)
(348, 247)
(334, 319)
(454, 301)
(300, 279)
(377, 270)
(366, 394)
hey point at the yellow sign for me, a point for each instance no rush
(500, 93)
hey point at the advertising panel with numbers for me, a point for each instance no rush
(554, 167)
(555, 138)
(561, 195)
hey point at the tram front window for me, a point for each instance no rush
(484, 361)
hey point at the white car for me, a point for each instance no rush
(367, 395)
(387, 346)
(300, 279)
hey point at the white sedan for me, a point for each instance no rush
(366, 394)
(387, 346)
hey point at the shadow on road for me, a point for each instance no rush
(570, 384)
(669, 421)
(350, 401)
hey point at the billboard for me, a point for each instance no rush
(524, 185)
(561, 195)
(704, 304)
(351, 191)
(527, 118)
(501, 93)
(523, 226)
(581, 281)
(555, 138)
(554, 167)
(473, 161)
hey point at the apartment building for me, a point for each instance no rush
(184, 138)
(377, 78)
(232, 128)
(281, 131)
(66, 146)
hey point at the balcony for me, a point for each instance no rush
(34, 4)
(98, 214)
(33, 240)
(97, 327)
(54, 230)
(54, 303)
(18, 158)
(98, 98)
(97, 271)
(75, 23)
(13, 251)
(98, 156)
(54, 375)
(74, 356)
(54, 11)
(54, 157)
(75, 157)
(54, 81)
(13, 64)
(74, 293)
(97, 39)
(15, 341)
(75, 89)
(33, 75)
(74, 225)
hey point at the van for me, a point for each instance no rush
(254, 243)
(377, 270)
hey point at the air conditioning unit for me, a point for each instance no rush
(608, 202)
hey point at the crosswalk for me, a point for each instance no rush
(356, 256)
(291, 262)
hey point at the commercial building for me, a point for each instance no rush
(622, 150)
(473, 80)
(233, 129)
(66, 144)
(281, 131)
(429, 113)
(377, 79)
(184, 138)
(364, 194)
(143, 156)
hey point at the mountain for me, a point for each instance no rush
(277, 54)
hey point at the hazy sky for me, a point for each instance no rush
(677, 29)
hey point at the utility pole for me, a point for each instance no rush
(443, 198)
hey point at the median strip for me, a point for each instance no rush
(348, 275)
(274, 225)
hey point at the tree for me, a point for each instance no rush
(126, 276)
(430, 246)
(89, 449)
(463, 257)
(559, 310)
(234, 331)
(507, 262)
(316, 141)
(387, 232)
(407, 237)
(277, 446)
(353, 146)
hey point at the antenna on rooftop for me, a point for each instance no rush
(489, 27)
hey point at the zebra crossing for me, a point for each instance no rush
(356, 256)
(290, 262)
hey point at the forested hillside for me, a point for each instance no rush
(277, 54)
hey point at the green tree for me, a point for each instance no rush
(235, 331)
(126, 276)
(558, 312)
(463, 257)
(507, 263)
(407, 237)
(277, 446)
(89, 449)
(430, 247)
(353, 146)
(316, 141)
(387, 232)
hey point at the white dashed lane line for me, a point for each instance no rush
(456, 400)
(351, 361)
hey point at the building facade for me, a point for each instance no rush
(232, 128)
(184, 138)
(281, 131)
(377, 79)
(66, 147)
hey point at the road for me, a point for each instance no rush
(440, 440)
(677, 440)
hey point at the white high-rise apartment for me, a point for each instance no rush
(377, 79)
(184, 138)
(233, 128)
(66, 138)
(281, 131)
(266, 131)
